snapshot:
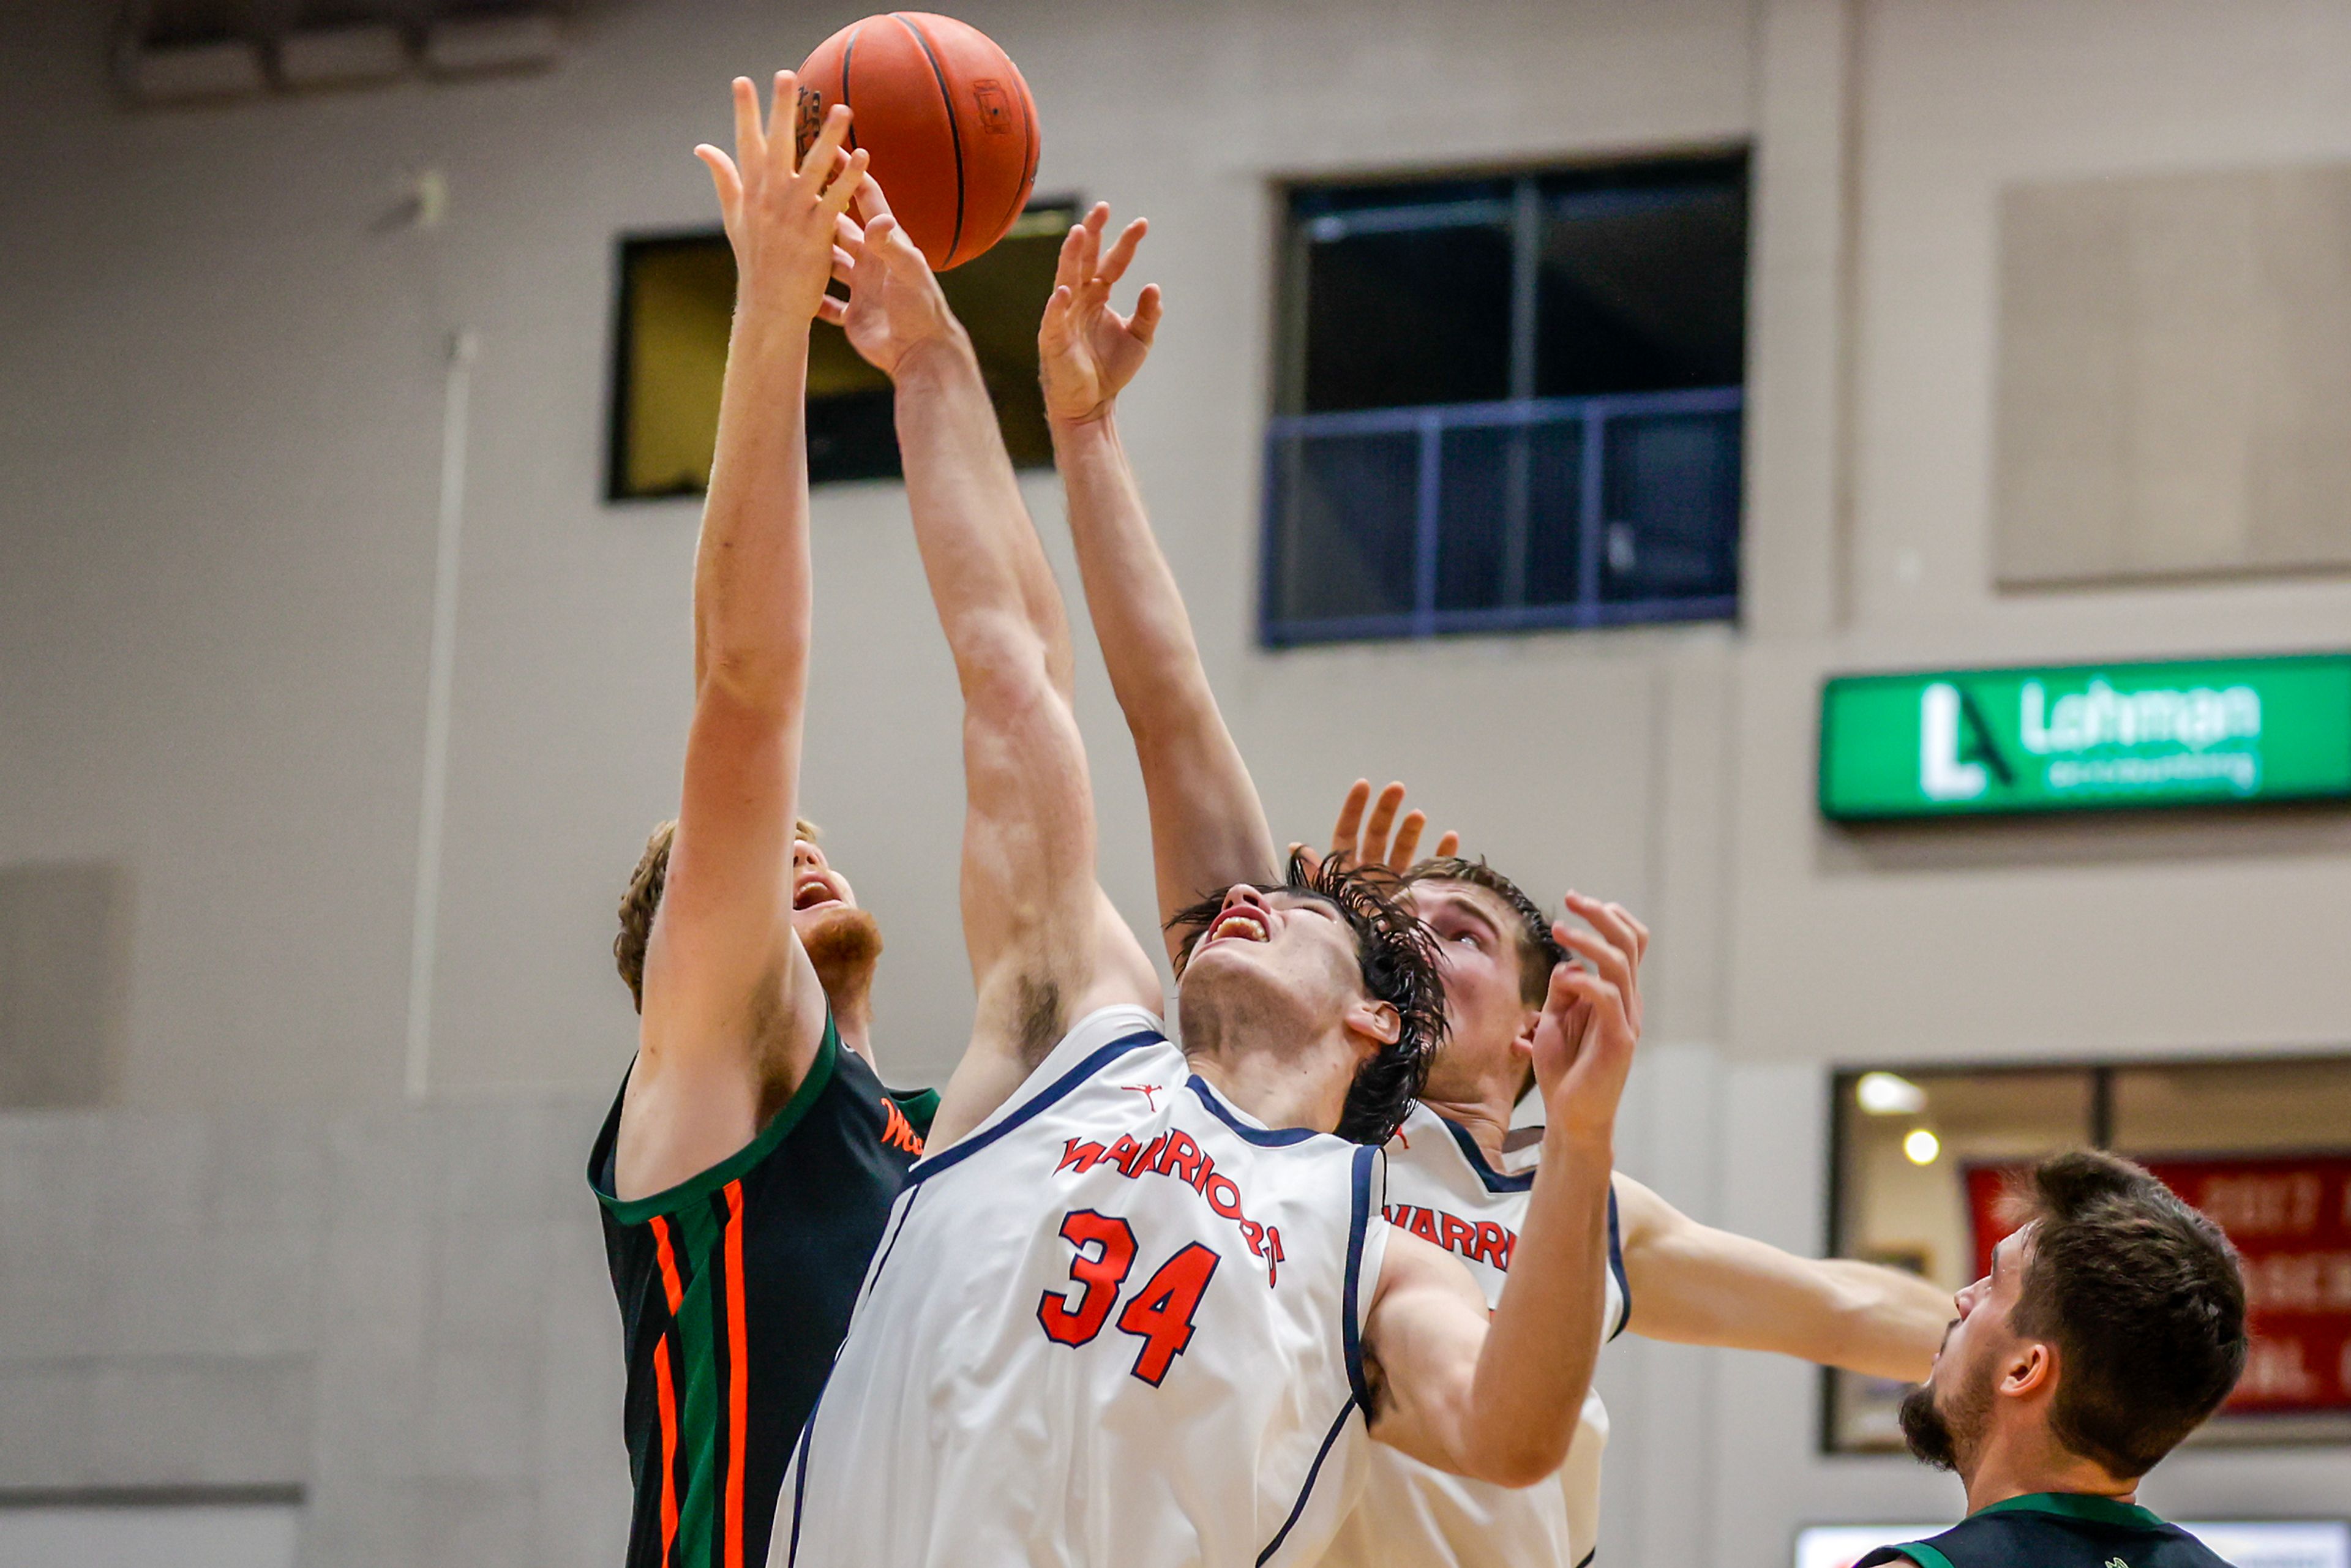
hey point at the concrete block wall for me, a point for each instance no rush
(405, 1313)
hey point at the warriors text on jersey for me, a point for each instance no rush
(2055, 1529)
(1441, 1188)
(736, 1288)
(1117, 1322)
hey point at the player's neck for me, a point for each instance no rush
(1290, 1088)
(1485, 1117)
(853, 1017)
(2027, 1462)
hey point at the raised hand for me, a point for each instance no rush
(1354, 842)
(1583, 1046)
(894, 303)
(1086, 352)
(782, 212)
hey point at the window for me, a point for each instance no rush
(2263, 1146)
(677, 300)
(1508, 402)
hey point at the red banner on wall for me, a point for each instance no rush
(2289, 1217)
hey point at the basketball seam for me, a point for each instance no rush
(954, 131)
(848, 56)
(1027, 155)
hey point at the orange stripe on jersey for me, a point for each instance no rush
(738, 1375)
(670, 1286)
(669, 1441)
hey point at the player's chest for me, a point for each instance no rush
(1452, 1209)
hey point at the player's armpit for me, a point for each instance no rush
(1694, 1284)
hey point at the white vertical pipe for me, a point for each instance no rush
(425, 929)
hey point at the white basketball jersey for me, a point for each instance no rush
(1119, 1322)
(1440, 1187)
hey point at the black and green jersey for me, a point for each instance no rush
(2055, 1529)
(735, 1289)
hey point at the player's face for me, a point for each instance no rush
(1285, 957)
(1944, 1418)
(1484, 1006)
(842, 941)
(818, 890)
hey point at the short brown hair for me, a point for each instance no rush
(2144, 1299)
(642, 898)
(1539, 951)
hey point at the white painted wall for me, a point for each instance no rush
(217, 485)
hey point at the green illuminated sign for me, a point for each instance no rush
(2086, 736)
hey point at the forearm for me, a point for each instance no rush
(987, 572)
(1208, 827)
(1696, 1285)
(1537, 1362)
(751, 591)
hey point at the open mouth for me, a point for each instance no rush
(1241, 924)
(814, 893)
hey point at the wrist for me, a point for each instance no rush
(1569, 1141)
(1098, 423)
(947, 352)
(762, 320)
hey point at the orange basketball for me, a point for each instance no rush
(944, 118)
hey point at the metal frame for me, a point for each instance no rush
(1430, 423)
(1523, 211)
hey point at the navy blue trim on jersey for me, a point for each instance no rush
(1268, 1137)
(1058, 1089)
(1312, 1471)
(1616, 1266)
(1494, 1180)
(1359, 1221)
(800, 1482)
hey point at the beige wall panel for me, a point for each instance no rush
(2175, 375)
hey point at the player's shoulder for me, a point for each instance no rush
(2054, 1530)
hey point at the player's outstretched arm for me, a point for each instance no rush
(1208, 827)
(1499, 1400)
(1046, 947)
(1697, 1285)
(733, 1014)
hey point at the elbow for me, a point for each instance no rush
(1520, 1458)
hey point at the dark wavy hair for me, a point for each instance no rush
(1398, 963)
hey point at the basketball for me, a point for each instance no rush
(946, 119)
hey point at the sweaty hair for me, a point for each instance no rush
(643, 897)
(2144, 1299)
(1539, 952)
(1398, 965)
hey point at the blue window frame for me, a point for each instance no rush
(1509, 403)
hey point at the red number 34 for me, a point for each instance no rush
(1159, 1314)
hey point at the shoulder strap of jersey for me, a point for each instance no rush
(1616, 1268)
(1094, 1043)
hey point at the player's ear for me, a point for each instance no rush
(2031, 1369)
(1374, 1020)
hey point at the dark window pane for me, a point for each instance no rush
(1343, 520)
(1642, 290)
(678, 303)
(1672, 508)
(1401, 320)
(1555, 466)
(1507, 504)
(1474, 521)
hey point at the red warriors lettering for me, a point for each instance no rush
(1481, 1241)
(1177, 1153)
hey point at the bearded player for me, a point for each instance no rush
(1138, 1304)
(749, 1165)
(1457, 1175)
(2111, 1324)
